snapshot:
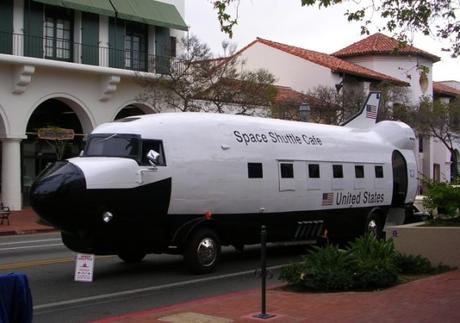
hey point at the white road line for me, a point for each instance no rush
(28, 241)
(30, 247)
(147, 289)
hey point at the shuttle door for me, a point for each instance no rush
(286, 175)
(399, 179)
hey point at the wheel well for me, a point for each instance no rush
(183, 234)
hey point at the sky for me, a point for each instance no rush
(286, 21)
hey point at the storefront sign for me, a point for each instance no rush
(56, 134)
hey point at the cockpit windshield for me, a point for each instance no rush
(113, 145)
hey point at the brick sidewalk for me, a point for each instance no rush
(23, 222)
(433, 299)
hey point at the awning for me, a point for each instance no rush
(150, 12)
(145, 11)
(100, 7)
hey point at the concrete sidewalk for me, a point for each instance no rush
(433, 299)
(23, 222)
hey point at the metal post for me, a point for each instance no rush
(263, 274)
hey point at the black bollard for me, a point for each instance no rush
(263, 274)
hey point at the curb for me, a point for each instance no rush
(29, 231)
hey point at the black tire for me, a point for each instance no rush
(374, 226)
(202, 251)
(131, 257)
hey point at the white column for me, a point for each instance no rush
(11, 173)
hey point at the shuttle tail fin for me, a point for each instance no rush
(367, 116)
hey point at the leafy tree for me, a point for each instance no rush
(436, 18)
(440, 120)
(327, 105)
(197, 81)
(183, 80)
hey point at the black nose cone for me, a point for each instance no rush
(56, 192)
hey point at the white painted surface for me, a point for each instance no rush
(11, 173)
(289, 70)
(206, 177)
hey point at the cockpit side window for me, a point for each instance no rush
(157, 145)
(113, 145)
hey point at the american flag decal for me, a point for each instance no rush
(327, 199)
(371, 111)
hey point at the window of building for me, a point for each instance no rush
(378, 171)
(313, 171)
(359, 171)
(337, 171)
(157, 146)
(135, 47)
(255, 170)
(287, 170)
(58, 31)
(420, 144)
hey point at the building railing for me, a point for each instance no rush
(68, 51)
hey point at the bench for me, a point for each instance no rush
(4, 214)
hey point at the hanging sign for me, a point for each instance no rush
(54, 133)
(84, 266)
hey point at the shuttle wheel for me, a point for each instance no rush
(131, 257)
(202, 251)
(374, 226)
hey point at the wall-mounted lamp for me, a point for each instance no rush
(339, 86)
(304, 112)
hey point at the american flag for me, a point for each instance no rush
(328, 198)
(371, 111)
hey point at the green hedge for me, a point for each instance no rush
(366, 264)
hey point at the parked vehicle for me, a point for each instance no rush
(190, 182)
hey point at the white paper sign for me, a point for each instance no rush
(84, 266)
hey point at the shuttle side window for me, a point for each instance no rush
(313, 171)
(359, 171)
(337, 171)
(287, 170)
(378, 171)
(113, 145)
(255, 170)
(156, 145)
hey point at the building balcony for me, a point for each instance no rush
(59, 49)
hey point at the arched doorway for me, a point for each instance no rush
(38, 152)
(133, 110)
(399, 179)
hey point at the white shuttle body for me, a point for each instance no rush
(191, 182)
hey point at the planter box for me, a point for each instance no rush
(438, 244)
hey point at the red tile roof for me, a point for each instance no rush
(440, 88)
(287, 94)
(336, 65)
(380, 44)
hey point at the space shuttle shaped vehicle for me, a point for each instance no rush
(190, 182)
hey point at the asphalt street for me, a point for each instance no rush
(120, 288)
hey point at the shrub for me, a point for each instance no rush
(443, 196)
(418, 265)
(375, 262)
(413, 265)
(328, 269)
(292, 273)
(367, 263)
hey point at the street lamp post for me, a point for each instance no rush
(304, 112)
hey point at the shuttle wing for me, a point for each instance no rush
(367, 116)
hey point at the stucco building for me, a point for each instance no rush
(375, 59)
(73, 64)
